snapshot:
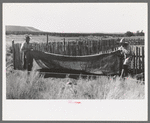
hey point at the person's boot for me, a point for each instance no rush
(126, 70)
(122, 74)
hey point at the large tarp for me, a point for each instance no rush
(107, 63)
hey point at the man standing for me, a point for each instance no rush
(127, 54)
(27, 62)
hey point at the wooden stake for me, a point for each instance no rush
(136, 59)
(47, 38)
(139, 60)
(134, 63)
(64, 47)
(143, 59)
(13, 50)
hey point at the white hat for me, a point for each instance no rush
(122, 41)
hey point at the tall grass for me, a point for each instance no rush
(34, 86)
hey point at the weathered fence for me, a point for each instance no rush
(82, 47)
(138, 59)
(132, 40)
(79, 47)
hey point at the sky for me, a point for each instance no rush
(78, 17)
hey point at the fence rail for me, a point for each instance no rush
(80, 47)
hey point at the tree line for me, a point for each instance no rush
(61, 34)
(138, 33)
(127, 34)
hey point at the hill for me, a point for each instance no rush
(21, 29)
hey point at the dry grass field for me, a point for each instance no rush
(36, 38)
(43, 38)
(21, 86)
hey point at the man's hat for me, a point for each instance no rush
(27, 37)
(122, 41)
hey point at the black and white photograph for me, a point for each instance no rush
(68, 57)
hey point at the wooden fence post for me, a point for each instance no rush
(143, 60)
(91, 41)
(102, 46)
(20, 57)
(55, 47)
(139, 60)
(134, 63)
(77, 48)
(89, 45)
(52, 46)
(120, 65)
(13, 50)
(17, 54)
(64, 46)
(67, 48)
(47, 38)
(136, 59)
